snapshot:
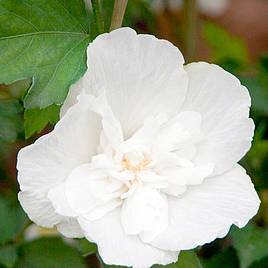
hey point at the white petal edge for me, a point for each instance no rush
(207, 211)
(46, 163)
(142, 75)
(39, 209)
(70, 228)
(72, 97)
(224, 105)
(142, 209)
(117, 248)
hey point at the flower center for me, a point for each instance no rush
(133, 163)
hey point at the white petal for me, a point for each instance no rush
(39, 209)
(141, 74)
(111, 127)
(169, 160)
(117, 248)
(183, 128)
(174, 189)
(144, 137)
(57, 196)
(41, 212)
(224, 106)
(142, 209)
(187, 150)
(71, 98)
(50, 159)
(187, 175)
(70, 228)
(101, 210)
(46, 163)
(87, 189)
(207, 211)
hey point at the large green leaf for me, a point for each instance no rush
(36, 119)
(251, 244)
(49, 253)
(46, 40)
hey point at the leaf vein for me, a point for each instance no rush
(58, 64)
(42, 32)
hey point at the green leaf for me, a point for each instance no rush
(36, 119)
(10, 120)
(187, 259)
(226, 49)
(86, 248)
(46, 40)
(49, 253)
(251, 244)
(8, 255)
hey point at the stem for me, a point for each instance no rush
(118, 14)
(97, 16)
(191, 19)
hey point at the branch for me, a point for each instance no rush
(118, 14)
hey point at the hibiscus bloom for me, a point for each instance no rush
(143, 161)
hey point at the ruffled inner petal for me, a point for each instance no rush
(88, 189)
(116, 247)
(141, 210)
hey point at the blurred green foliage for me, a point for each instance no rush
(225, 258)
(8, 256)
(251, 244)
(10, 121)
(14, 220)
(227, 50)
(49, 252)
(40, 57)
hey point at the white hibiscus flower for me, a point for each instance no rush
(143, 161)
